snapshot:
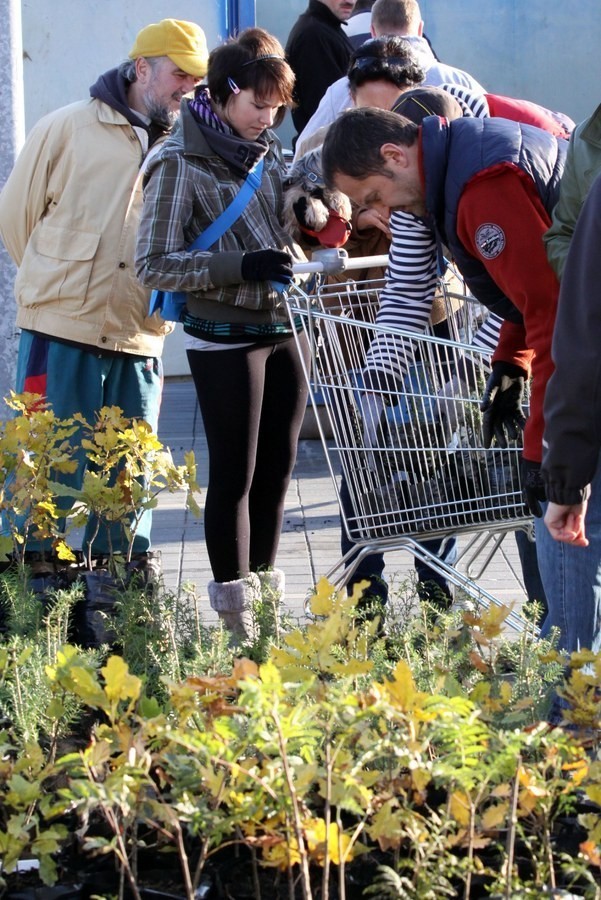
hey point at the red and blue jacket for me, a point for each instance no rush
(490, 186)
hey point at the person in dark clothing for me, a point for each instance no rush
(571, 444)
(318, 51)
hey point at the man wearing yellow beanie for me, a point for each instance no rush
(170, 52)
(68, 217)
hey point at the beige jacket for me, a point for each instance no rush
(68, 217)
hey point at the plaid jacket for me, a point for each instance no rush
(188, 187)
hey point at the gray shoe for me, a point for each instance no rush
(234, 603)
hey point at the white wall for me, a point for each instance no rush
(68, 43)
(541, 50)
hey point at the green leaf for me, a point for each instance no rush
(22, 792)
(149, 707)
(48, 870)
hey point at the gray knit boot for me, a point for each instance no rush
(273, 584)
(233, 601)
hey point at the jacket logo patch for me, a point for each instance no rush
(490, 240)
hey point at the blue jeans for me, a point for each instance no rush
(572, 580)
(431, 584)
(530, 570)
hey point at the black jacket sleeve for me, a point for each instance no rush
(572, 410)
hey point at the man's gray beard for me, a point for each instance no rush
(161, 115)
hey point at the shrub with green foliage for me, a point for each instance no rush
(333, 760)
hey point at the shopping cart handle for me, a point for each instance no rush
(336, 260)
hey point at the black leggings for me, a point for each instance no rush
(252, 401)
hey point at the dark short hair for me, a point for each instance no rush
(389, 59)
(352, 143)
(253, 60)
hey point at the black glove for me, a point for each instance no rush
(533, 487)
(267, 265)
(501, 404)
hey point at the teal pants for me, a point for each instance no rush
(80, 381)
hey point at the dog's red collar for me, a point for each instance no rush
(334, 233)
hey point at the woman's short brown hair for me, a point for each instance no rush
(254, 60)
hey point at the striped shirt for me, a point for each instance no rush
(406, 301)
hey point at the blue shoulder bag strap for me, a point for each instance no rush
(229, 215)
(171, 303)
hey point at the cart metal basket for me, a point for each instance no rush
(399, 413)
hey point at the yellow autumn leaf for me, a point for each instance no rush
(401, 688)
(322, 601)
(528, 782)
(460, 807)
(119, 684)
(244, 668)
(97, 753)
(64, 552)
(526, 803)
(579, 770)
(480, 694)
(459, 839)
(21, 792)
(478, 842)
(332, 842)
(538, 790)
(524, 703)
(283, 854)
(304, 776)
(386, 826)
(421, 779)
(296, 640)
(505, 692)
(353, 667)
(494, 816)
(358, 590)
(48, 507)
(6, 547)
(190, 461)
(593, 792)
(551, 656)
(83, 683)
(582, 658)
(501, 790)
(292, 672)
(270, 675)
(492, 619)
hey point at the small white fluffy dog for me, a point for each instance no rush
(309, 206)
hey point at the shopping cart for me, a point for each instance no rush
(398, 413)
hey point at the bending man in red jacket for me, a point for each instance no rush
(486, 187)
